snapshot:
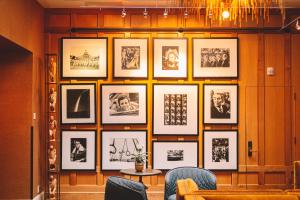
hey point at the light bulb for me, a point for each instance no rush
(225, 14)
(297, 25)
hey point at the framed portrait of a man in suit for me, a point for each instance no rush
(220, 104)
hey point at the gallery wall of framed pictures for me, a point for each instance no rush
(132, 91)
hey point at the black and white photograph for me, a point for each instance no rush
(170, 58)
(215, 57)
(130, 58)
(84, 57)
(175, 155)
(220, 150)
(175, 109)
(119, 148)
(171, 154)
(220, 104)
(123, 104)
(78, 150)
(78, 103)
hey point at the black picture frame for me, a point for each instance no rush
(143, 60)
(172, 161)
(222, 166)
(122, 134)
(64, 120)
(78, 134)
(194, 109)
(232, 116)
(103, 74)
(169, 75)
(232, 72)
(108, 119)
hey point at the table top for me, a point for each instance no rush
(145, 172)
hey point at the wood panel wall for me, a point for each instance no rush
(22, 22)
(266, 106)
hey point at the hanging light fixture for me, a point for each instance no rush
(297, 26)
(165, 13)
(186, 13)
(145, 13)
(123, 13)
(232, 10)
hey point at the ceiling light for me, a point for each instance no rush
(297, 25)
(145, 13)
(165, 13)
(225, 14)
(123, 14)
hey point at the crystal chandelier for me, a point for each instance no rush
(232, 10)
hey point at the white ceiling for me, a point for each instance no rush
(125, 3)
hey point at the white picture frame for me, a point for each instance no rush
(215, 58)
(220, 150)
(170, 58)
(171, 154)
(220, 104)
(117, 148)
(130, 58)
(84, 57)
(78, 103)
(179, 119)
(78, 150)
(123, 103)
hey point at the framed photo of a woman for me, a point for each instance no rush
(170, 58)
(78, 103)
(220, 103)
(123, 103)
(84, 58)
(130, 58)
(215, 57)
(78, 150)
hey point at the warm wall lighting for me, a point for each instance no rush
(123, 13)
(225, 14)
(297, 26)
(145, 13)
(165, 13)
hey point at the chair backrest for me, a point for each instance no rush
(120, 188)
(205, 179)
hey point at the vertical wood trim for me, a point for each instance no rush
(261, 105)
(73, 178)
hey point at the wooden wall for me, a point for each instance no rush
(267, 111)
(22, 23)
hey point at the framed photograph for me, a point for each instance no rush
(215, 58)
(123, 103)
(175, 109)
(84, 58)
(118, 148)
(78, 150)
(130, 58)
(78, 103)
(220, 103)
(171, 154)
(170, 58)
(220, 150)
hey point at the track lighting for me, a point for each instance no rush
(165, 13)
(123, 14)
(145, 13)
(297, 26)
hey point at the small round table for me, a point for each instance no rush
(145, 172)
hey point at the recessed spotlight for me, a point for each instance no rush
(123, 13)
(225, 14)
(145, 13)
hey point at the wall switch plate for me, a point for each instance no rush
(270, 71)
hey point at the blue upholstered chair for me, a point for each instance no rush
(118, 188)
(205, 180)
